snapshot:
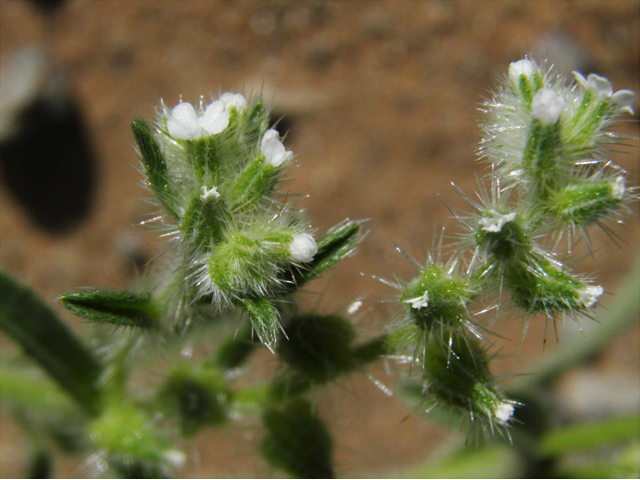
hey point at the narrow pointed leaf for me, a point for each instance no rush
(264, 319)
(335, 245)
(123, 308)
(338, 243)
(154, 163)
(26, 318)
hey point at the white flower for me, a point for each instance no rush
(547, 105)
(495, 222)
(504, 412)
(184, 123)
(233, 100)
(419, 302)
(211, 193)
(303, 247)
(589, 295)
(617, 187)
(521, 67)
(214, 119)
(273, 149)
(601, 88)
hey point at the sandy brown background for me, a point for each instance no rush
(381, 101)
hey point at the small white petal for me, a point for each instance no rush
(580, 78)
(233, 100)
(303, 247)
(215, 118)
(521, 67)
(182, 123)
(211, 193)
(599, 85)
(617, 187)
(496, 221)
(174, 458)
(547, 105)
(419, 302)
(504, 412)
(624, 99)
(273, 150)
(589, 295)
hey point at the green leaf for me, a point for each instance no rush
(154, 163)
(26, 318)
(264, 320)
(117, 308)
(589, 435)
(25, 389)
(338, 243)
(495, 461)
(297, 441)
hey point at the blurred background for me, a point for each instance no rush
(379, 102)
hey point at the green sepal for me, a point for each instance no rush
(26, 318)
(297, 441)
(456, 374)
(154, 164)
(233, 352)
(542, 158)
(203, 220)
(510, 244)
(444, 298)
(372, 350)
(265, 320)
(124, 308)
(251, 185)
(544, 287)
(318, 346)
(199, 396)
(585, 202)
(205, 156)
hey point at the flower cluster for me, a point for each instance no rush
(544, 138)
(215, 168)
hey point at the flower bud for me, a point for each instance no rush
(273, 149)
(524, 67)
(457, 375)
(547, 105)
(436, 297)
(588, 201)
(302, 248)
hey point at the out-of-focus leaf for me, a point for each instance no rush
(297, 441)
(26, 318)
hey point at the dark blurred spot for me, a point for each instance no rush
(45, 153)
(321, 55)
(122, 58)
(48, 6)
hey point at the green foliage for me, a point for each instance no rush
(297, 441)
(240, 249)
(126, 309)
(26, 318)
